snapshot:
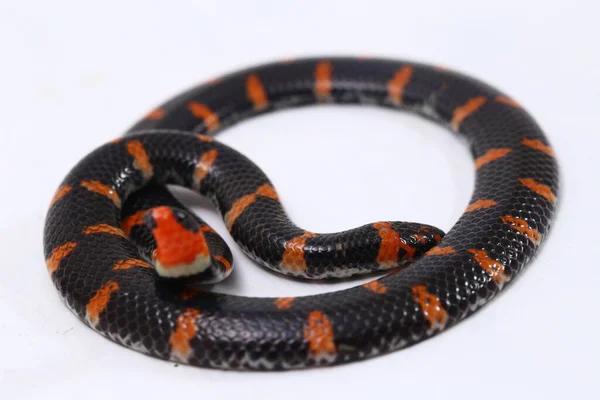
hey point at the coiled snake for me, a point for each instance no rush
(127, 257)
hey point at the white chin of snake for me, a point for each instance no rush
(198, 265)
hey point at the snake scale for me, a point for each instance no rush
(130, 261)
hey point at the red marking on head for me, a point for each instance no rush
(60, 193)
(494, 268)
(204, 165)
(440, 251)
(103, 228)
(255, 91)
(538, 145)
(464, 111)
(323, 82)
(507, 101)
(284, 303)
(242, 203)
(427, 229)
(130, 263)
(185, 331)
(201, 111)
(376, 287)
(142, 161)
(479, 204)
(318, 331)
(522, 226)
(57, 255)
(293, 256)
(128, 223)
(491, 155)
(174, 243)
(431, 306)
(391, 242)
(420, 238)
(102, 189)
(397, 84)
(99, 302)
(539, 188)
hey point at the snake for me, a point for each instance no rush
(132, 263)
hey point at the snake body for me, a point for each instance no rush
(99, 251)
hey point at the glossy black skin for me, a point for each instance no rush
(252, 333)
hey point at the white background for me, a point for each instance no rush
(76, 74)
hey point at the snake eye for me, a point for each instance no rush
(185, 219)
(149, 220)
(179, 215)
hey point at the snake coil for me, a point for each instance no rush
(113, 227)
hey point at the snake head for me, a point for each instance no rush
(181, 247)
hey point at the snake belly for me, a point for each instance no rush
(108, 282)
